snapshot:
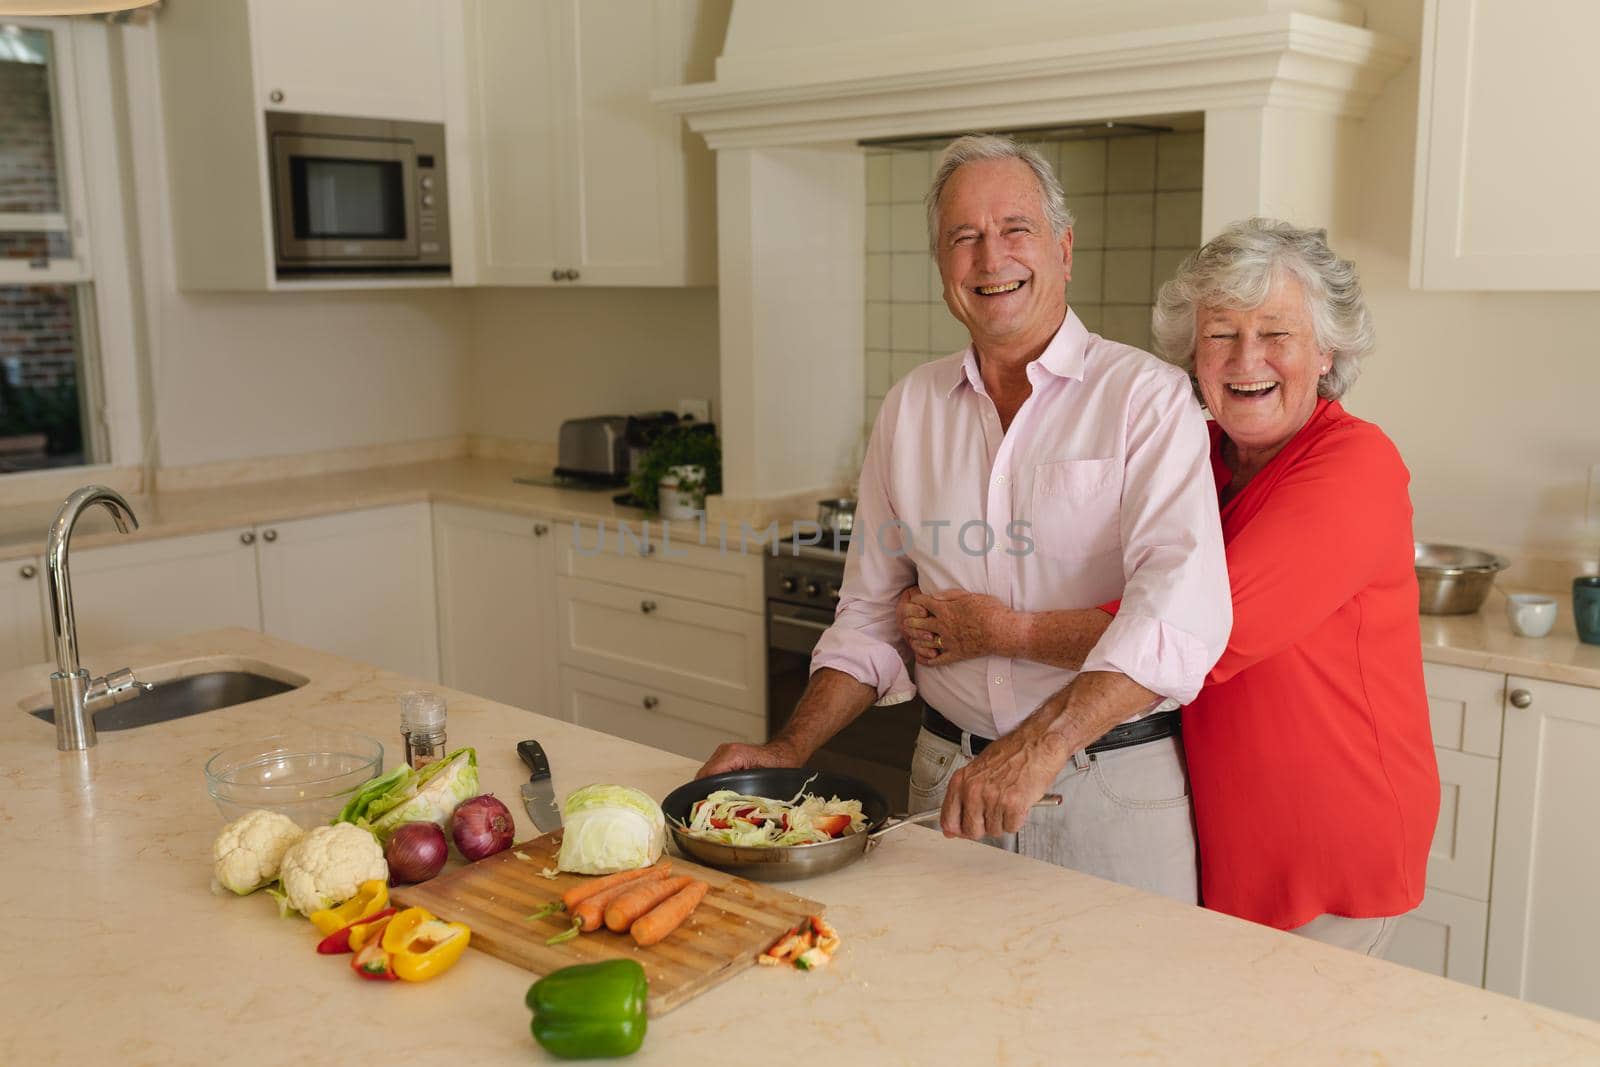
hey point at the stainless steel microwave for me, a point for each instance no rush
(357, 196)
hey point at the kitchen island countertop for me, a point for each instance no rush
(953, 952)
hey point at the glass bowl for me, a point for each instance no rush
(307, 775)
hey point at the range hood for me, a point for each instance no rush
(1277, 84)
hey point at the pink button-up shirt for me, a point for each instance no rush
(1100, 489)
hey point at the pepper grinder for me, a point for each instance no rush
(422, 726)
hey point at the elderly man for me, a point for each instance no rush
(1048, 468)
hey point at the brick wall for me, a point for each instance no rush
(27, 140)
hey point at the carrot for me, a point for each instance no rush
(623, 910)
(669, 914)
(579, 893)
(589, 914)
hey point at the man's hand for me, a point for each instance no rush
(954, 625)
(734, 756)
(993, 793)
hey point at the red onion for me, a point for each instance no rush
(481, 827)
(416, 852)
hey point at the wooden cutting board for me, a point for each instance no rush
(735, 923)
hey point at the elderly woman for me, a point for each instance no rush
(1310, 756)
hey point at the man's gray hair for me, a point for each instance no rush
(984, 147)
(1236, 269)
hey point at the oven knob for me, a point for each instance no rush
(426, 182)
(813, 589)
(427, 200)
(788, 585)
(833, 591)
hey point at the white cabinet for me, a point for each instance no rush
(1444, 936)
(1507, 147)
(22, 619)
(358, 584)
(374, 58)
(653, 716)
(496, 582)
(151, 590)
(580, 178)
(1543, 923)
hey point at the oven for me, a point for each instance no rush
(357, 196)
(802, 591)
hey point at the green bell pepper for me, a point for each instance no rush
(590, 1010)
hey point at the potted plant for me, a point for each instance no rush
(673, 455)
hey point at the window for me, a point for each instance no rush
(49, 381)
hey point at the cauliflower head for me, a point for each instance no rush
(326, 866)
(247, 853)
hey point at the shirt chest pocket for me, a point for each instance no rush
(1076, 508)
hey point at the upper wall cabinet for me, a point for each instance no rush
(581, 180)
(374, 58)
(1507, 147)
(226, 64)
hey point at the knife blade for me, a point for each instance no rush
(538, 794)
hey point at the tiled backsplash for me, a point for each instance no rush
(1137, 204)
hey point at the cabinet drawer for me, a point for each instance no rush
(653, 716)
(1444, 936)
(641, 556)
(1465, 708)
(1463, 840)
(708, 653)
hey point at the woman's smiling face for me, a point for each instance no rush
(1258, 367)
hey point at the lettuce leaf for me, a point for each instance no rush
(428, 795)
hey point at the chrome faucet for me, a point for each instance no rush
(77, 696)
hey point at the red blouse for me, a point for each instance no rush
(1310, 753)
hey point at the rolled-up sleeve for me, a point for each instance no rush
(1176, 611)
(864, 640)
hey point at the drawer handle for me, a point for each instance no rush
(1521, 698)
(270, 536)
(29, 571)
(651, 703)
(247, 538)
(540, 529)
(276, 96)
(647, 606)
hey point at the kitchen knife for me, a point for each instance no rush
(538, 794)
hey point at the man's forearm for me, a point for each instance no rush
(1091, 704)
(1055, 638)
(831, 702)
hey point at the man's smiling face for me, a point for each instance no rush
(1004, 273)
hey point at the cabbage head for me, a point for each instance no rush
(610, 828)
(428, 795)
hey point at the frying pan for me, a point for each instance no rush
(784, 863)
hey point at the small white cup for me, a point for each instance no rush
(1531, 615)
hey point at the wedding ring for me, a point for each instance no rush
(938, 642)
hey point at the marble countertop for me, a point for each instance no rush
(953, 952)
(1485, 641)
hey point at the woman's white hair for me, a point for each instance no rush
(982, 147)
(1237, 268)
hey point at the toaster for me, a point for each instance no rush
(594, 449)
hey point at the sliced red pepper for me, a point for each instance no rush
(339, 941)
(373, 963)
(720, 824)
(833, 825)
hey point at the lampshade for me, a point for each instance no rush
(68, 7)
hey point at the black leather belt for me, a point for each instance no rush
(1150, 728)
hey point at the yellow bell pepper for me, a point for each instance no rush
(423, 946)
(370, 899)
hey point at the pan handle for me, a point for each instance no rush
(895, 822)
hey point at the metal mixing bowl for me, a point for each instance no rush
(1454, 580)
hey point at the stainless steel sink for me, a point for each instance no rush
(181, 697)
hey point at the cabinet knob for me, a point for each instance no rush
(572, 275)
(276, 96)
(1521, 698)
(269, 536)
(647, 606)
(557, 275)
(28, 571)
(651, 703)
(247, 538)
(540, 529)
